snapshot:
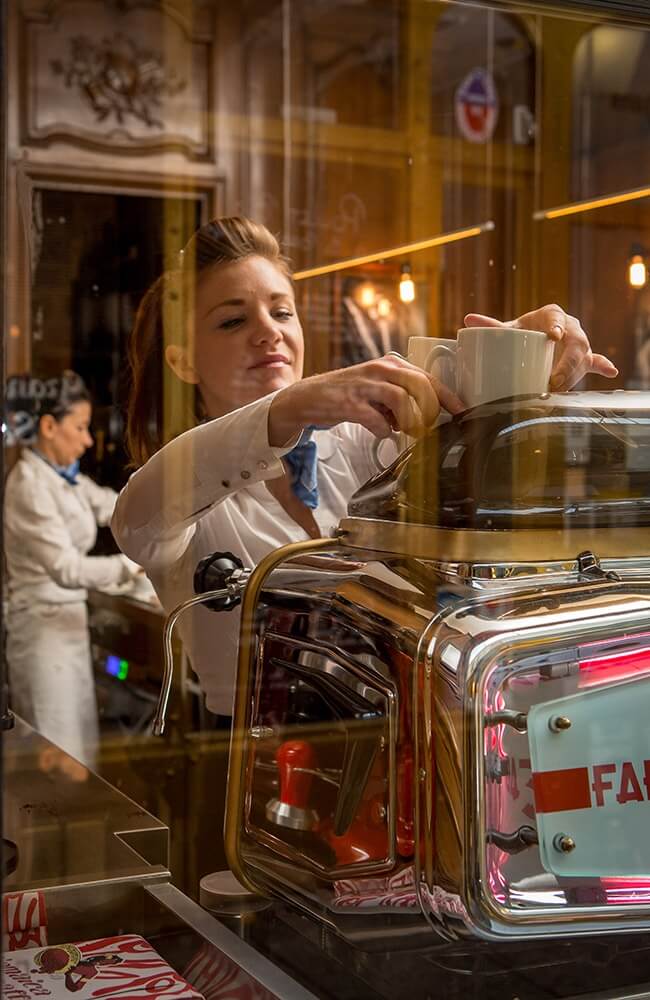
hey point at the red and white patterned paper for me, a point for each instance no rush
(111, 968)
(24, 920)
(444, 903)
(397, 892)
(219, 978)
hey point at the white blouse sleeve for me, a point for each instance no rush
(36, 524)
(101, 499)
(157, 511)
(360, 444)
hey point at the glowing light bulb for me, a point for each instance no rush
(384, 307)
(637, 272)
(406, 285)
(367, 295)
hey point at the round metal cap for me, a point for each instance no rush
(220, 892)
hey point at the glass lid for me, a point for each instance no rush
(566, 459)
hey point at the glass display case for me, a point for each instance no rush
(426, 762)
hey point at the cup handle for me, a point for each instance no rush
(376, 444)
(436, 352)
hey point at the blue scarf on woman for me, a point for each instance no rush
(67, 472)
(303, 468)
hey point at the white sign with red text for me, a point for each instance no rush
(591, 782)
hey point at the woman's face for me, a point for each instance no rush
(64, 441)
(248, 338)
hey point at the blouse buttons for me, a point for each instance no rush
(225, 483)
(262, 465)
(245, 474)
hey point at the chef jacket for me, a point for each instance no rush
(50, 526)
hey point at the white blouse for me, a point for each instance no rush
(49, 527)
(205, 492)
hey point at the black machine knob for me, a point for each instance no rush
(220, 570)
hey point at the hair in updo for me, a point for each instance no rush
(29, 398)
(161, 320)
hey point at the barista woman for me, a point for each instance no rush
(51, 518)
(254, 474)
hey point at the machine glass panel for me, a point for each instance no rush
(320, 795)
(538, 759)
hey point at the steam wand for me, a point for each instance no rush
(222, 568)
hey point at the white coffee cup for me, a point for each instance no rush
(418, 351)
(494, 363)
(482, 364)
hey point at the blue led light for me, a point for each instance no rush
(113, 665)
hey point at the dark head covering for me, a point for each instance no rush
(28, 398)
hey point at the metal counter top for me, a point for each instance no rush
(99, 862)
(70, 826)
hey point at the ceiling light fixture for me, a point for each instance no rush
(406, 248)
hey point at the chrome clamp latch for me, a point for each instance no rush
(507, 717)
(513, 843)
(589, 569)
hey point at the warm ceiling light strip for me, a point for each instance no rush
(591, 203)
(406, 248)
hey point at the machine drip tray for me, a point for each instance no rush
(598, 968)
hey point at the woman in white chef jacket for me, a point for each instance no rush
(254, 474)
(50, 520)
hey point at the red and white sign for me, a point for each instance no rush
(592, 787)
(24, 920)
(591, 782)
(476, 105)
(125, 966)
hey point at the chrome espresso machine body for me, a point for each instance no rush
(442, 711)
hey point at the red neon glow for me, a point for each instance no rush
(597, 643)
(626, 890)
(626, 883)
(615, 667)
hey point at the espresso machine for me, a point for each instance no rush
(441, 712)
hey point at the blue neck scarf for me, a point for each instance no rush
(303, 468)
(67, 472)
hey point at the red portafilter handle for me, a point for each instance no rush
(295, 785)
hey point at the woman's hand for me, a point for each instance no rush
(383, 395)
(130, 570)
(574, 358)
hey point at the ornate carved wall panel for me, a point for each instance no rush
(122, 77)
